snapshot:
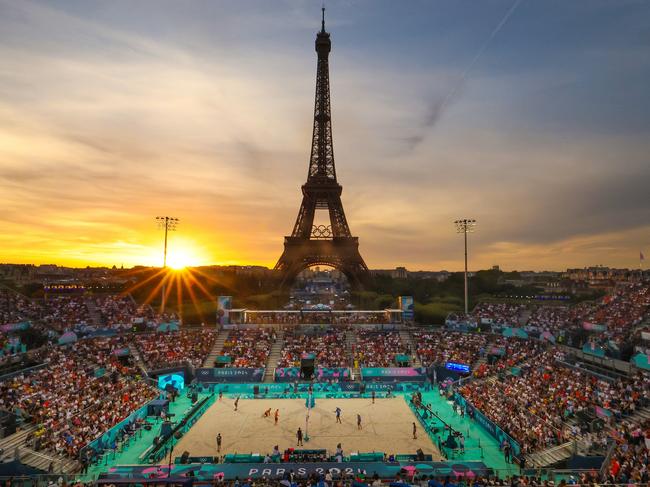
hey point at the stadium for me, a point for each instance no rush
(124, 394)
(241, 375)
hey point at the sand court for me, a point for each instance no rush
(387, 427)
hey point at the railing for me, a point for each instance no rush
(606, 362)
(36, 480)
(23, 451)
(160, 450)
(608, 458)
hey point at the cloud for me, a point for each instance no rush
(109, 120)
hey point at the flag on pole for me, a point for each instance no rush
(641, 256)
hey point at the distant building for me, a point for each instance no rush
(397, 273)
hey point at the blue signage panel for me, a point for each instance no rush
(456, 367)
(176, 380)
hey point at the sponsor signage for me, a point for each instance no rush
(408, 310)
(230, 471)
(230, 374)
(291, 374)
(412, 374)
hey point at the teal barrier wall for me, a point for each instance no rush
(109, 437)
(641, 361)
(489, 425)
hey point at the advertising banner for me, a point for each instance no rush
(594, 327)
(230, 471)
(11, 327)
(292, 374)
(224, 305)
(394, 374)
(407, 306)
(593, 349)
(230, 374)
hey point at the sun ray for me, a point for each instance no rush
(157, 288)
(212, 279)
(202, 287)
(179, 294)
(190, 290)
(143, 282)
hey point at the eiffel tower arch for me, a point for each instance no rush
(309, 244)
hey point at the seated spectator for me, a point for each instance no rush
(329, 348)
(377, 348)
(249, 347)
(159, 350)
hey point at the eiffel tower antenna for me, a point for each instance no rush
(332, 245)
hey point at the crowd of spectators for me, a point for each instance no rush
(439, 347)
(80, 393)
(629, 462)
(499, 354)
(377, 348)
(159, 350)
(64, 313)
(249, 347)
(119, 312)
(306, 317)
(552, 319)
(505, 353)
(328, 347)
(498, 313)
(523, 406)
(621, 311)
(16, 312)
(14, 307)
(533, 406)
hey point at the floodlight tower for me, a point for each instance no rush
(465, 226)
(168, 223)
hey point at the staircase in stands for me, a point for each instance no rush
(94, 313)
(551, 456)
(274, 356)
(350, 340)
(524, 316)
(16, 446)
(482, 360)
(407, 340)
(557, 454)
(138, 359)
(216, 349)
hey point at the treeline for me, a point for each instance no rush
(434, 299)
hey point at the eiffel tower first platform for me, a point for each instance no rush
(333, 244)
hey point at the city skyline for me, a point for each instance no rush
(511, 112)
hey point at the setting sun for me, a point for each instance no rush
(184, 253)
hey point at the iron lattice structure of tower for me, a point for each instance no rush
(332, 244)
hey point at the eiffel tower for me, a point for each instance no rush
(332, 245)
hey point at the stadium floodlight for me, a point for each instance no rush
(465, 226)
(169, 224)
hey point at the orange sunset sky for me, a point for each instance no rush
(112, 113)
